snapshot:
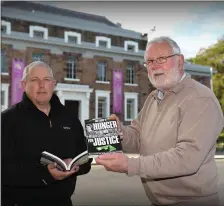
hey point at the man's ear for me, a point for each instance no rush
(181, 60)
(23, 85)
(54, 82)
(181, 63)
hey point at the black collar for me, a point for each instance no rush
(56, 105)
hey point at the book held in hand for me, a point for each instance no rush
(102, 137)
(48, 158)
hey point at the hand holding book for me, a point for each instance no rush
(58, 174)
(119, 130)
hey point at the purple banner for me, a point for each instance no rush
(117, 92)
(17, 73)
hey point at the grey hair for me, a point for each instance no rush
(171, 42)
(33, 65)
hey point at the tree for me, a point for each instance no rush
(214, 57)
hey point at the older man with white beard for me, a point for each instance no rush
(175, 134)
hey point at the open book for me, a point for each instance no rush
(48, 158)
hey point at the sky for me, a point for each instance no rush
(193, 25)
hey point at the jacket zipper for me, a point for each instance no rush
(50, 123)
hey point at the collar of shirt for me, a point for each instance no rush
(184, 75)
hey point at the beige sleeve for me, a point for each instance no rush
(131, 136)
(198, 131)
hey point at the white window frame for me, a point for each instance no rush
(130, 95)
(130, 84)
(4, 73)
(105, 94)
(73, 79)
(105, 39)
(100, 81)
(38, 28)
(5, 88)
(8, 26)
(72, 34)
(42, 56)
(131, 43)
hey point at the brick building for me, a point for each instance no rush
(84, 52)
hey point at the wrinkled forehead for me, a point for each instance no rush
(39, 71)
(155, 50)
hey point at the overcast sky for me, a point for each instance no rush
(193, 25)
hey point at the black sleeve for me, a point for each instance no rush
(81, 146)
(16, 169)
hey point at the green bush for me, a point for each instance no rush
(221, 137)
(220, 142)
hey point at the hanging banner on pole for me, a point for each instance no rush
(17, 73)
(117, 91)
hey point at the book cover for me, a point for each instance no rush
(47, 158)
(102, 137)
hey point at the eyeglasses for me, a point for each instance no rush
(159, 60)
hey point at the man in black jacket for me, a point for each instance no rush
(39, 123)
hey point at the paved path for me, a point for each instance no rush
(102, 188)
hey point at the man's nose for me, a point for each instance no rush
(41, 83)
(155, 66)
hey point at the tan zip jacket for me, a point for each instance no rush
(176, 139)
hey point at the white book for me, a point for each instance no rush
(48, 158)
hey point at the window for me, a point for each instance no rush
(3, 61)
(131, 46)
(101, 107)
(71, 67)
(72, 37)
(38, 32)
(131, 105)
(130, 74)
(37, 57)
(130, 108)
(6, 27)
(103, 42)
(102, 104)
(102, 71)
(2, 98)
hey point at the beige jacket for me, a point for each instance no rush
(176, 139)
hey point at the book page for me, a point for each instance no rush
(53, 158)
(79, 160)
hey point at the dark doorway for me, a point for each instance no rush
(73, 107)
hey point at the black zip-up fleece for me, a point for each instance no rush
(26, 132)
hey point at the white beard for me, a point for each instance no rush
(170, 81)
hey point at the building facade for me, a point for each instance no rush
(97, 64)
